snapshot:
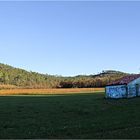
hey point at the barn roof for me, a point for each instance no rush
(124, 80)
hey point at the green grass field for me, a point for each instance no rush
(69, 116)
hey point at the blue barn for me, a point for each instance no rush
(126, 87)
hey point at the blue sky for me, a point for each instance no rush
(70, 38)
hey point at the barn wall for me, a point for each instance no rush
(118, 91)
(139, 91)
(132, 88)
(131, 91)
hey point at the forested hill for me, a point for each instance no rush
(25, 79)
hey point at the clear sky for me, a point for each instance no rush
(70, 38)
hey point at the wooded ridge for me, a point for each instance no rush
(21, 78)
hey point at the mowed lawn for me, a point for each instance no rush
(69, 116)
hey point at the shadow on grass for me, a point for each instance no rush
(74, 115)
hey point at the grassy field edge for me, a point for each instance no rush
(49, 91)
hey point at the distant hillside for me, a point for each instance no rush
(97, 80)
(25, 79)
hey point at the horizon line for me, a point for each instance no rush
(28, 70)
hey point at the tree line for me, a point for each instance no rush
(25, 79)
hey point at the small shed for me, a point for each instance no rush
(126, 87)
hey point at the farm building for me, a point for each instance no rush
(126, 87)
